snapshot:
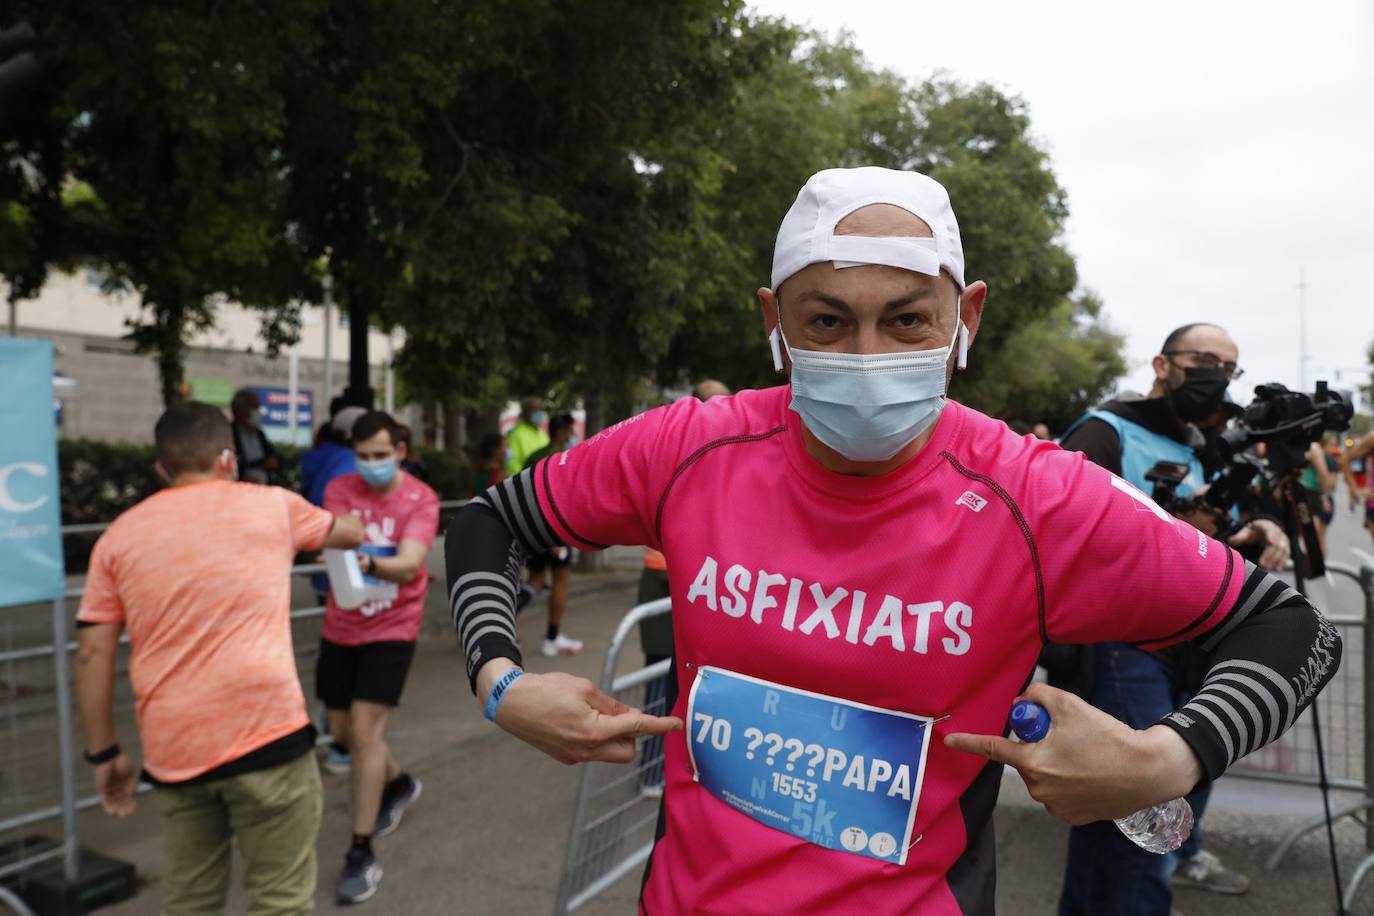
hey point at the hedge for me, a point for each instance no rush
(99, 480)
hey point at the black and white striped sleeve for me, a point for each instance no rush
(484, 550)
(1272, 653)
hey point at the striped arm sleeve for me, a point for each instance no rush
(1272, 653)
(484, 550)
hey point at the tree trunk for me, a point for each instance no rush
(170, 347)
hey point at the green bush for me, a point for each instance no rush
(99, 480)
(450, 474)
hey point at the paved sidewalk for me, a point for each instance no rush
(488, 834)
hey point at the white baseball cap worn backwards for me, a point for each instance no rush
(807, 234)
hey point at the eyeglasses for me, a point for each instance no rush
(1204, 360)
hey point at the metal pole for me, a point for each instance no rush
(62, 675)
(14, 318)
(390, 374)
(1367, 583)
(1302, 332)
(328, 286)
(293, 387)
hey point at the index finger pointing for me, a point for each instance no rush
(634, 723)
(993, 747)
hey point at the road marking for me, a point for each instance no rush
(1366, 557)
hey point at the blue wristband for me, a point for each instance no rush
(498, 690)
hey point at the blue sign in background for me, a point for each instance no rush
(31, 567)
(276, 414)
(831, 771)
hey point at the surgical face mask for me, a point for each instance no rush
(869, 406)
(1201, 393)
(539, 418)
(377, 473)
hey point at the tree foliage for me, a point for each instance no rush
(567, 197)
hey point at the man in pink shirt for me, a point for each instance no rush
(862, 575)
(365, 652)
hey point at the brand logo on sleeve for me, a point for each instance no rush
(971, 500)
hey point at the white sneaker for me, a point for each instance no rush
(562, 645)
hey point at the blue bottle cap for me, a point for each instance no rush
(1030, 721)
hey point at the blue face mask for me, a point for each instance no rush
(868, 406)
(539, 418)
(377, 473)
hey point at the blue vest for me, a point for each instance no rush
(1141, 448)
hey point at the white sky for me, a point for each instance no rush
(1210, 150)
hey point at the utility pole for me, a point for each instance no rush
(1302, 331)
(327, 286)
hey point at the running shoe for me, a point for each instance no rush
(562, 645)
(395, 802)
(361, 875)
(1205, 872)
(523, 597)
(338, 760)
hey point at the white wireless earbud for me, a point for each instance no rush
(962, 361)
(775, 344)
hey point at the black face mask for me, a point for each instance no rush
(1200, 395)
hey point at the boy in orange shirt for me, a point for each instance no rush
(199, 575)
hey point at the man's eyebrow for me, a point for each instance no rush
(835, 302)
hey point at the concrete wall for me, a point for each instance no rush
(118, 394)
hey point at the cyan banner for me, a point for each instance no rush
(31, 566)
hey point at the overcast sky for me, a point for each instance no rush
(1210, 151)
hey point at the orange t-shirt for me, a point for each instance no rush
(200, 577)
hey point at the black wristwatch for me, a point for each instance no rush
(105, 756)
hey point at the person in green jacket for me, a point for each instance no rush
(527, 436)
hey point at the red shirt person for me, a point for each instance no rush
(365, 652)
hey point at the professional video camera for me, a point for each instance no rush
(1285, 422)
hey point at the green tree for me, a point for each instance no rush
(1053, 367)
(567, 251)
(172, 119)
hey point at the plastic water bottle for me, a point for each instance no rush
(1159, 828)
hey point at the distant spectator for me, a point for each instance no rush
(365, 653)
(558, 561)
(333, 457)
(200, 575)
(413, 464)
(710, 389)
(490, 467)
(257, 459)
(1041, 431)
(527, 435)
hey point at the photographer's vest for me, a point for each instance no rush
(1141, 448)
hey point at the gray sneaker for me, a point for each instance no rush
(361, 875)
(1205, 872)
(394, 805)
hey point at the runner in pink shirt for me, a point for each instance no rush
(862, 575)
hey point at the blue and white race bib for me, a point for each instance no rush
(836, 773)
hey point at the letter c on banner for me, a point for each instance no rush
(7, 502)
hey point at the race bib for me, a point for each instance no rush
(836, 773)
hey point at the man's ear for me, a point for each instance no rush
(162, 474)
(1161, 366)
(971, 304)
(402, 452)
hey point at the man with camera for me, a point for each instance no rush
(1178, 422)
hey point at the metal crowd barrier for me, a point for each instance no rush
(36, 695)
(617, 804)
(1347, 724)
